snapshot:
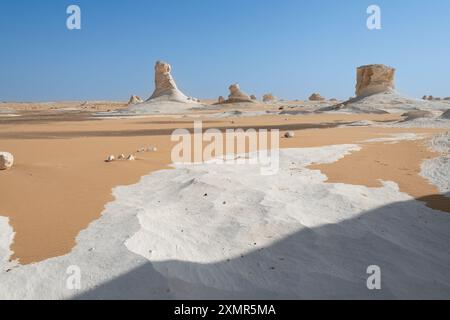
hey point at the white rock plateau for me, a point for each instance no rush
(6, 160)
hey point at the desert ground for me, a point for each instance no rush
(363, 182)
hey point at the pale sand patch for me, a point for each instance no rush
(60, 182)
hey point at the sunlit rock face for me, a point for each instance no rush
(373, 79)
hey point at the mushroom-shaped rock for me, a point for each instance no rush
(268, 97)
(236, 95)
(165, 86)
(373, 79)
(316, 97)
(6, 160)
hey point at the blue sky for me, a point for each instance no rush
(288, 47)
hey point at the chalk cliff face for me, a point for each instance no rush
(236, 95)
(165, 87)
(374, 78)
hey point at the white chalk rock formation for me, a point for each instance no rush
(6, 160)
(236, 95)
(135, 100)
(165, 87)
(373, 79)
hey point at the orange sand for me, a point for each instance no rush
(60, 182)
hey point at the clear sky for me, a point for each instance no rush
(288, 47)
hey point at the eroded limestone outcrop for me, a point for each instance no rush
(316, 97)
(135, 100)
(373, 79)
(237, 95)
(165, 87)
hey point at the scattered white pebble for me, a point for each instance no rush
(289, 134)
(110, 158)
(121, 157)
(131, 158)
(6, 160)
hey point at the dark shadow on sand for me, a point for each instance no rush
(409, 242)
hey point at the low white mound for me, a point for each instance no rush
(387, 102)
(397, 137)
(6, 111)
(6, 239)
(158, 107)
(212, 231)
(437, 170)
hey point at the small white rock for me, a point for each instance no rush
(152, 149)
(141, 150)
(121, 157)
(111, 158)
(6, 160)
(131, 158)
(289, 134)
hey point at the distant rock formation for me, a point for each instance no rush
(135, 100)
(373, 79)
(236, 95)
(165, 86)
(333, 100)
(221, 100)
(253, 97)
(6, 160)
(268, 97)
(431, 98)
(316, 97)
(447, 98)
